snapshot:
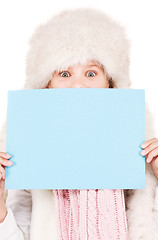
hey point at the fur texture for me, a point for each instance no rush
(77, 36)
(141, 204)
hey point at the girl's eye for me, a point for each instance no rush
(91, 74)
(64, 74)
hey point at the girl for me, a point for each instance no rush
(80, 48)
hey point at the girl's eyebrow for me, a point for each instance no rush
(87, 66)
(93, 66)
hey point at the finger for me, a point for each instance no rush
(2, 171)
(5, 155)
(5, 162)
(146, 143)
(152, 154)
(2, 176)
(149, 148)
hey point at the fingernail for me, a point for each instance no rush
(142, 152)
(8, 155)
(10, 162)
(142, 146)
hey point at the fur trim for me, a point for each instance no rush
(77, 36)
(141, 204)
(43, 220)
(3, 135)
(3, 148)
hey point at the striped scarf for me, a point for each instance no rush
(91, 214)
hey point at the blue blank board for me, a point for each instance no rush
(76, 138)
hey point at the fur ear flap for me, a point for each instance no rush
(140, 203)
(43, 220)
(3, 133)
(3, 137)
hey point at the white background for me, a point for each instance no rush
(18, 20)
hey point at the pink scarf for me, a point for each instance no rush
(91, 214)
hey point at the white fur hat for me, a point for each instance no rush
(74, 36)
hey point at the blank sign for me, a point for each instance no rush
(76, 138)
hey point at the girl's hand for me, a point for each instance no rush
(3, 162)
(150, 151)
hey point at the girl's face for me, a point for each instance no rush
(90, 75)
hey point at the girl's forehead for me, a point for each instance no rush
(93, 63)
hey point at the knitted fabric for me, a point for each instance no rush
(91, 214)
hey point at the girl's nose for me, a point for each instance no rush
(77, 86)
(78, 83)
